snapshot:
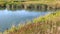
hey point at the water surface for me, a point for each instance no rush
(10, 17)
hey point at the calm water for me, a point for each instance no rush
(9, 17)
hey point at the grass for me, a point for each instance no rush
(42, 25)
(51, 3)
(28, 1)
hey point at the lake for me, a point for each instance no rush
(15, 17)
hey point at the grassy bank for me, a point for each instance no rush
(50, 3)
(26, 1)
(49, 24)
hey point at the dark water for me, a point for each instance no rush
(10, 17)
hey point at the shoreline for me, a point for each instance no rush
(45, 21)
(46, 5)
